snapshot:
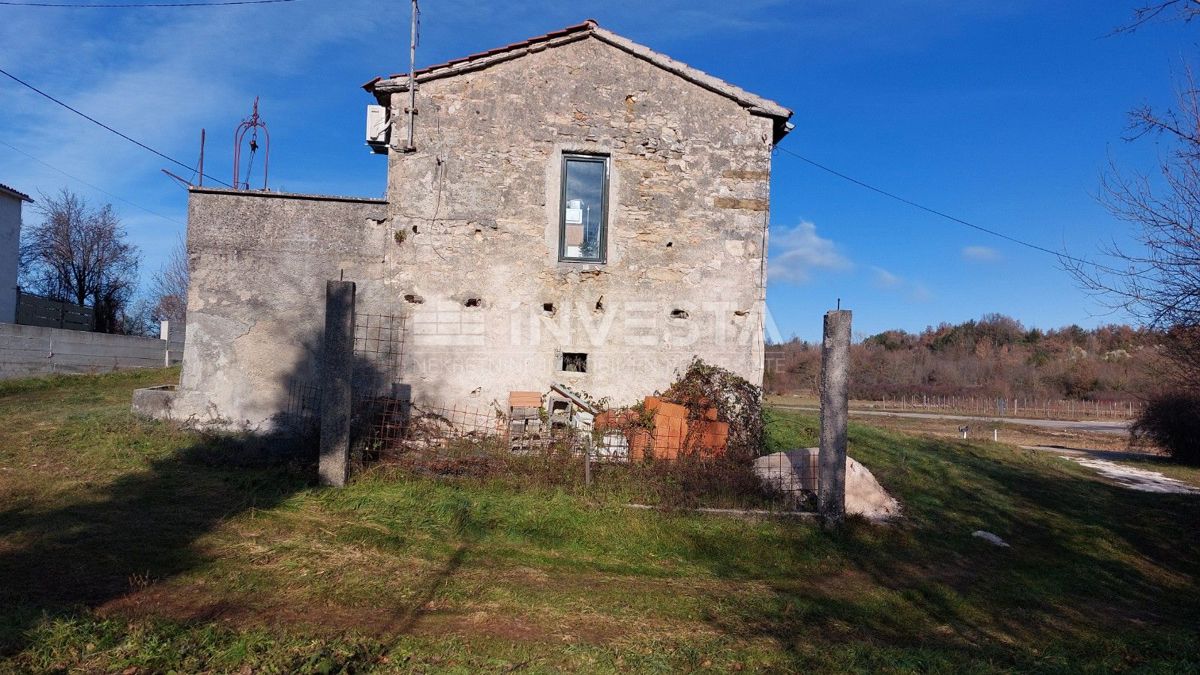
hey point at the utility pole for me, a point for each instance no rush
(201, 170)
(412, 76)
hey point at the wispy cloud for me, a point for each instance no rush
(798, 251)
(160, 77)
(980, 254)
(913, 291)
(885, 279)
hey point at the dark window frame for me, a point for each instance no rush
(602, 248)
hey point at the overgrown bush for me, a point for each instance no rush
(1172, 422)
(737, 401)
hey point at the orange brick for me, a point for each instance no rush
(714, 438)
(661, 408)
(670, 436)
(524, 399)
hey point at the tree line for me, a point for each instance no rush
(994, 356)
(80, 254)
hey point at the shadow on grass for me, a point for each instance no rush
(1096, 573)
(139, 529)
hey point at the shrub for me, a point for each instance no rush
(1172, 422)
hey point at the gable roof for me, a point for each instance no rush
(5, 190)
(756, 105)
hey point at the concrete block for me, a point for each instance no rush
(337, 369)
(154, 402)
(835, 391)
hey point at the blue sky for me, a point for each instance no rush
(1004, 114)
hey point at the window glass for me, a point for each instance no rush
(582, 230)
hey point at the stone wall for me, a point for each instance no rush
(477, 205)
(463, 256)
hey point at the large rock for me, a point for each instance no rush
(795, 473)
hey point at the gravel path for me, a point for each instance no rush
(1142, 480)
(1133, 478)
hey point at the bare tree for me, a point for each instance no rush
(169, 288)
(1185, 10)
(1159, 283)
(79, 254)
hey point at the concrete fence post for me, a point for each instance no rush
(336, 369)
(835, 391)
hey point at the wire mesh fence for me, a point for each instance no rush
(1016, 407)
(663, 462)
(379, 341)
(658, 453)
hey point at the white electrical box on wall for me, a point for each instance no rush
(378, 127)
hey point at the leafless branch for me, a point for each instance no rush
(1185, 10)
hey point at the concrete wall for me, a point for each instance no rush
(35, 350)
(256, 300)
(10, 253)
(478, 203)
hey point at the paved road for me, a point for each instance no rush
(1093, 426)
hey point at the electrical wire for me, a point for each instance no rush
(84, 182)
(93, 120)
(955, 219)
(131, 5)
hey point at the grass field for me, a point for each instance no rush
(130, 546)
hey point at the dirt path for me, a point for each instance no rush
(1133, 478)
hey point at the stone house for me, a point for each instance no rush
(574, 208)
(11, 202)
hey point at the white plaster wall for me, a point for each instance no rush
(10, 250)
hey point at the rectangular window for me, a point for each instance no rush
(583, 218)
(574, 362)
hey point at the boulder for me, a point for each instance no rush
(795, 473)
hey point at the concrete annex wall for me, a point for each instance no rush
(35, 350)
(478, 203)
(10, 253)
(256, 300)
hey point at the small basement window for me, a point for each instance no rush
(583, 215)
(574, 362)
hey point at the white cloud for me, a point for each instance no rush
(919, 292)
(160, 77)
(798, 251)
(885, 279)
(980, 254)
(914, 291)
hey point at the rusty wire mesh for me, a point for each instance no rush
(379, 341)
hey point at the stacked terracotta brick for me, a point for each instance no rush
(671, 433)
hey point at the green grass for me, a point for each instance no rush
(123, 544)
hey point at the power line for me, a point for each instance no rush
(138, 6)
(947, 216)
(80, 180)
(93, 120)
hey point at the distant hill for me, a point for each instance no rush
(994, 356)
